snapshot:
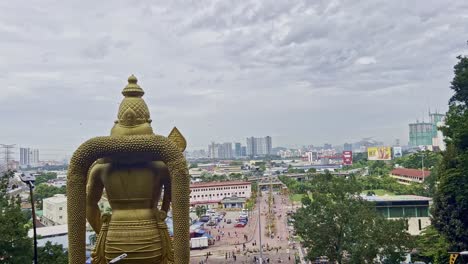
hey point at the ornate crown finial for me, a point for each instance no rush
(133, 89)
(133, 110)
(132, 79)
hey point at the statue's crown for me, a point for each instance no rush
(133, 110)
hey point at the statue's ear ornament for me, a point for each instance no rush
(177, 137)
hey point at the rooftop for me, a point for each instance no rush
(215, 184)
(410, 172)
(395, 198)
(233, 199)
(58, 198)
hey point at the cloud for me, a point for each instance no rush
(366, 61)
(225, 70)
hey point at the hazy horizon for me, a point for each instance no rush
(301, 72)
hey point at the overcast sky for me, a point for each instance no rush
(304, 72)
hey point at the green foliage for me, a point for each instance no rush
(45, 176)
(415, 160)
(293, 170)
(235, 176)
(378, 167)
(52, 254)
(200, 210)
(193, 165)
(15, 245)
(432, 247)
(43, 191)
(335, 222)
(391, 185)
(451, 198)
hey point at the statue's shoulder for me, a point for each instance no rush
(98, 165)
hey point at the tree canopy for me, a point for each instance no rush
(336, 222)
(52, 254)
(451, 199)
(15, 245)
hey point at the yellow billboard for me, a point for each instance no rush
(379, 153)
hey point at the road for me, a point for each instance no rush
(275, 248)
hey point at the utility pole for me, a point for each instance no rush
(29, 180)
(422, 165)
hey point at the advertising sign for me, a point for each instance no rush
(379, 153)
(347, 157)
(397, 152)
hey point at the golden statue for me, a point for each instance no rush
(134, 166)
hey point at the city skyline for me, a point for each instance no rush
(302, 72)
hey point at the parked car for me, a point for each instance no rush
(228, 221)
(205, 218)
(240, 224)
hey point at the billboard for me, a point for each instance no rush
(379, 153)
(397, 152)
(347, 157)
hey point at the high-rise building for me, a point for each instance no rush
(220, 151)
(243, 151)
(226, 150)
(29, 157)
(425, 133)
(34, 158)
(268, 145)
(251, 146)
(24, 157)
(237, 150)
(348, 147)
(259, 146)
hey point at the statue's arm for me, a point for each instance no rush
(94, 190)
(163, 180)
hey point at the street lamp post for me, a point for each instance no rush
(29, 180)
(260, 227)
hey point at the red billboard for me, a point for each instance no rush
(347, 157)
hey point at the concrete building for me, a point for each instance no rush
(29, 157)
(220, 151)
(233, 202)
(420, 134)
(237, 150)
(259, 146)
(55, 210)
(24, 157)
(426, 133)
(408, 176)
(244, 151)
(212, 193)
(227, 151)
(411, 207)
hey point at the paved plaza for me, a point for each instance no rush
(241, 245)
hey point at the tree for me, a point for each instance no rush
(15, 245)
(336, 222)
(45, 177)
(52, 254)
(451, 197)
(200, 210)
(432, 247)
(415, 160)
(43, 191)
